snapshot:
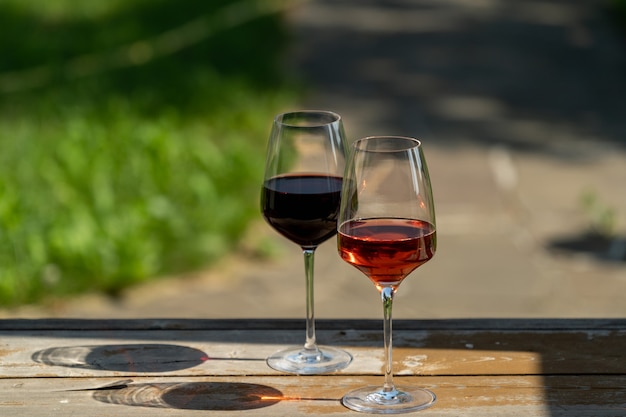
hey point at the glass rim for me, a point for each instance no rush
(331, 117)
(412, 143)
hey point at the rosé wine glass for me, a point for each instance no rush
(386, 229)
(300, 200)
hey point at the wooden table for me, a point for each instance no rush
(217, 367)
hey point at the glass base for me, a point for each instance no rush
(297, 360)
(374, 400)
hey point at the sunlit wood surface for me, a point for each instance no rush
(217, 367)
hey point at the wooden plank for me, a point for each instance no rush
(298, 324)
(485, 396)
(236, 352)
(476, 367)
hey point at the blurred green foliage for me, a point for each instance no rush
(132, 137)
(618, 10)
(602, 218)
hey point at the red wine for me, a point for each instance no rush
(387, 249)
(302, 207)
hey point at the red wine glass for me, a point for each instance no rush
(386, 229)
(300, 200)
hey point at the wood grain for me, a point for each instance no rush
(172, 367)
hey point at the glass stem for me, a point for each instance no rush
(309, 260)
(387, 294)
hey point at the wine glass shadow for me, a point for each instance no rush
(145, 357)
(220, 396)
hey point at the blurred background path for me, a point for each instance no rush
(521, 109)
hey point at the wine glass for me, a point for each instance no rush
(386, 229)
(300, 200)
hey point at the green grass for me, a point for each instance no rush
(132, 137)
